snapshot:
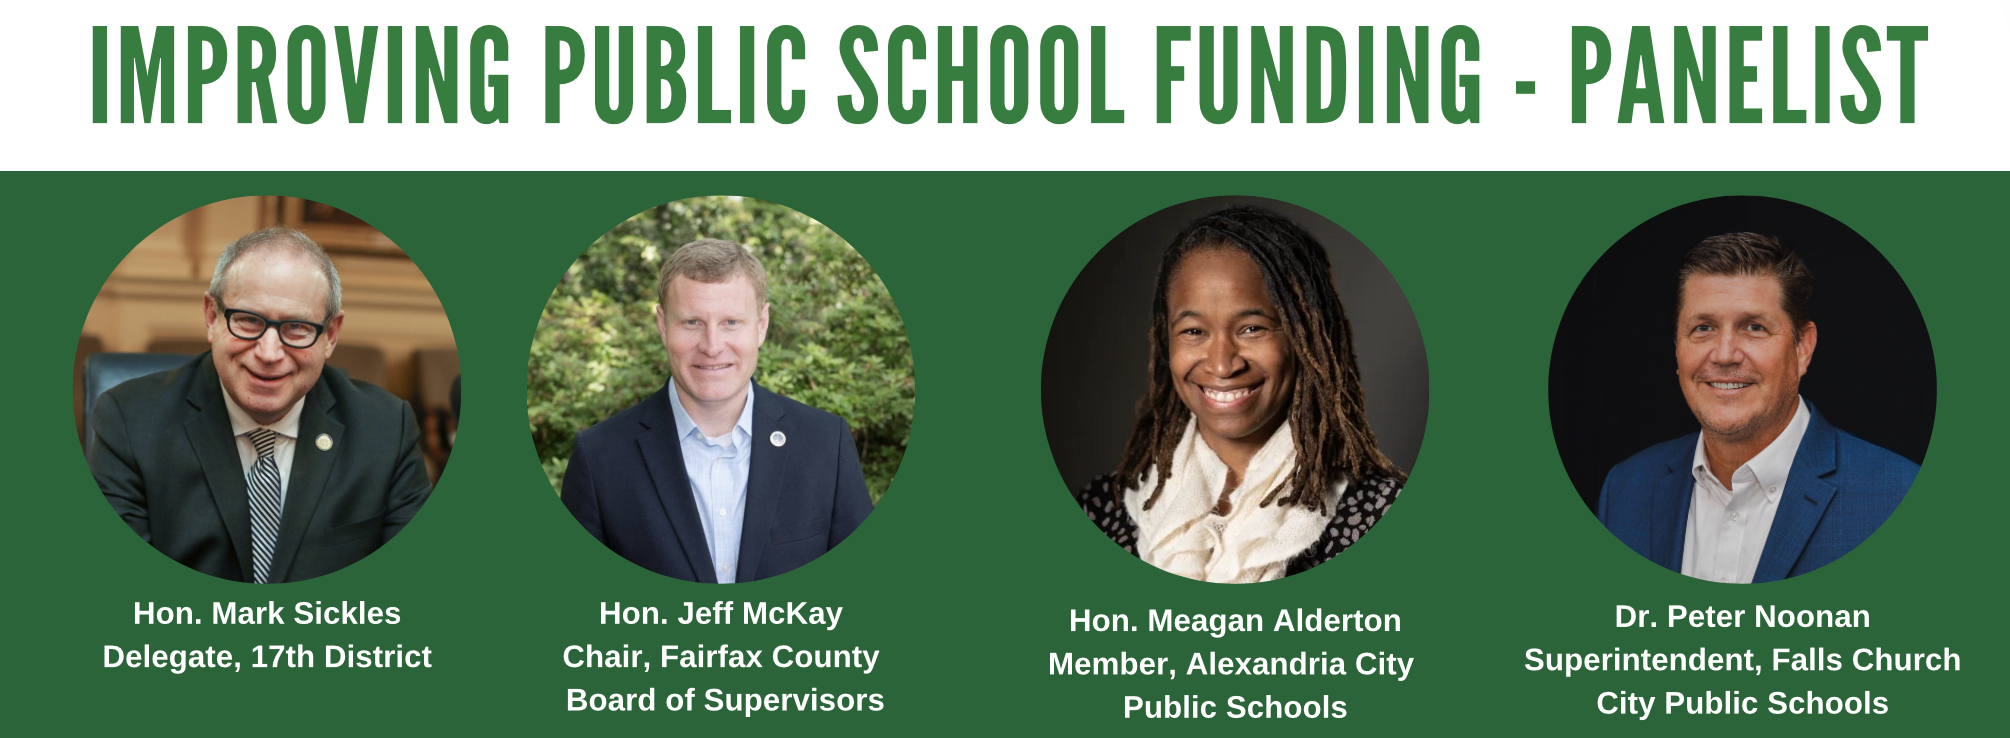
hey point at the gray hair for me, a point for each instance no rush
(712, 261)
(271, 238)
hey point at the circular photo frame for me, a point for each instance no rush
(1770, 455)
(1235, 389)
(267, 389)
(720, 389)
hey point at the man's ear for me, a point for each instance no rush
(662, 325)
(1804, 347)
(329, 333)
(763, 325)
(210, 315)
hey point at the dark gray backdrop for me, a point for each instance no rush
(1094, 370)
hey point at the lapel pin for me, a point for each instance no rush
(323, 442)
(778, 439)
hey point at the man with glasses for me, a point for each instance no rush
(256, 462)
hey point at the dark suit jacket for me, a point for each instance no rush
(1839, 490)
(168, 463)
(626, 483)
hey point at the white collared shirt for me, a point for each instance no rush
(718, 469)
(1728, 527)
(288, 428)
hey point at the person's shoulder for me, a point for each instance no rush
(1105, 488)
(1363, 502)
(621, 425)
(358, 398)
(1863, 462)
(798, 412)
(1656, 459)
(1101, 500)
(1385, 485)
(158, 387)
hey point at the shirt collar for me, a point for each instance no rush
(686, 426)
(1771, 466)
(241, 422)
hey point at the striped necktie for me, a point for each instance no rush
(265, 502)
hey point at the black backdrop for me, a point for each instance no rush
(1612, 391)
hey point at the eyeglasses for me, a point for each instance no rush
(251, 326)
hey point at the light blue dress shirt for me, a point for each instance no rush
(717, 468)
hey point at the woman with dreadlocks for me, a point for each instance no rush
(1252, 458)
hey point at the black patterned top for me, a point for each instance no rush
(1360, 506)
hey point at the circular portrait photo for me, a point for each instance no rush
(266, 389)
(720, 389)
(1235, 389)
(1742, 389)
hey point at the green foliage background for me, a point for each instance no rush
(835, 339)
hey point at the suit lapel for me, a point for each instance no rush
(662, 451)
(764, 481)
(216, 449)
(1672, 495)
(1802, 503)
(309, 478)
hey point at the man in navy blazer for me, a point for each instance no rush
(714, 478)
(1766, 489)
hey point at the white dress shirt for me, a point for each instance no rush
(718, 468)
(288, 428)
(1728, 527)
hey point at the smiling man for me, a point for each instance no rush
(714, 478)
(256, 461)
(1767, 489)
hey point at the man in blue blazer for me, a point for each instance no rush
(714, 478)
(1766, 489)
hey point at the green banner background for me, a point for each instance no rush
(965, 576)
